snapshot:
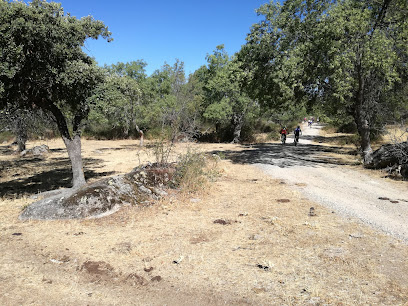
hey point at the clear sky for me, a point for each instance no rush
(159, 31)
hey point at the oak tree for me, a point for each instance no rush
(42, 65)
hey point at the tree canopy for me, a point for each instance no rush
(345, 56)
(346, 59)
(42, 65)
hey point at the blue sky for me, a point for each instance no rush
(161, 31)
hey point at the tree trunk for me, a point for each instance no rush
(364, 131)
(74, 153)
(141, 139)
(21, 133)
(141, 134)
(363, 125)
(238, 122)
(126, 132)
(217, 128)
(73, 144)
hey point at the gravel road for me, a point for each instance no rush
(348, 191)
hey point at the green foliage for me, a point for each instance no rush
(225, 104)
(134, 70)
(344, 58)
(44, 67)
(116, 103)
(42, 62)
(171, 103)
(162, 105)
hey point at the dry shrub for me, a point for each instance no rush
(162, 151)
(194, 169)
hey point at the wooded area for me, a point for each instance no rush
(344, 61)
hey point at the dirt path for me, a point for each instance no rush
(320, 177)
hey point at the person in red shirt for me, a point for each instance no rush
(283, 133)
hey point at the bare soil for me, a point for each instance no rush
(246, 238)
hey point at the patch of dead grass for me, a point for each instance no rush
(395, 134)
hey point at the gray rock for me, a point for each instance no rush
(39, 150)
(255, 237)
(93, 200)
(145, 190)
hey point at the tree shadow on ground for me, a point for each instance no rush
(289, 155)
(28, 176)
(122, 147)
(134, 146)
(338, 139)
(7, 150)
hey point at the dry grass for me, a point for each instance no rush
(395, 133)
(269, 252)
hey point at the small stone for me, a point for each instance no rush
(178, 260)
(255, 237)
(222, 222)
(259, 290)
(356, 236)
(47, 281)
(263, 267)
(157, 278)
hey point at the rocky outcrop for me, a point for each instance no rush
(140, 186)
(36, 151)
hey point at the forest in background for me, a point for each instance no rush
(342, 61)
